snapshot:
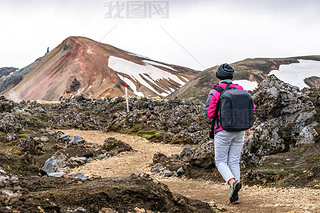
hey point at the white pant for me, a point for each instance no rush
(228, 147)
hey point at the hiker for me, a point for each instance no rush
(228, 126)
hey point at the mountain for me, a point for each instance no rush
(299, 71)
(80, 65)
(12, 79)
(4, 71)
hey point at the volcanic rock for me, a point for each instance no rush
(283, 120)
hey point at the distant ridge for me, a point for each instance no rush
(251, 70)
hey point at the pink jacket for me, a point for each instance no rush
(212, 101)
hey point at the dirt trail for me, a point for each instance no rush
(253, 199)
(124, 163)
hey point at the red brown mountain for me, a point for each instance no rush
(83, 66)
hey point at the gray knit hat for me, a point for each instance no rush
(225, 71)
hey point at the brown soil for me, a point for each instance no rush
(124, 163)
(253, 199)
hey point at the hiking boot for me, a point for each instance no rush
(235, 187)
(236, 202)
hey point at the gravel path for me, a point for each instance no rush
(124, 163)
(253, 199)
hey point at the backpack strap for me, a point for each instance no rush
(219, 89)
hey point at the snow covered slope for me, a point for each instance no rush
(247, 85)
(147, 75)
(296, 73)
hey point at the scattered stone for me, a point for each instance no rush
(14, 180)
(64, 138)
(9, 123)
(53, 164)
(156, 168)
(107, 210)
(44, 139)
(80, 210)
(115, 146)
(180, 171)
(40, 109)
(28, 145)
(202, 156)
(186, 153)
(167, 173)
(160, 158)
(11, 136)
(51, 132)
(6, 105)
(56, 174)
(77, 161)
(96, 177)
(76, 139)
(80, 176)
(182, 202)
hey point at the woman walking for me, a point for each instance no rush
(228, 144)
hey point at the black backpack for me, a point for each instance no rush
(236, 109)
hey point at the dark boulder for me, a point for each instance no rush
(115, 146)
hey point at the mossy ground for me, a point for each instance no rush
(144, 132)
(298, 167)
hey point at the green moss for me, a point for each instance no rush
(272, 171)
(12, 143)
(314, 184)
(148, 134)
(144, 132)
(181, 140)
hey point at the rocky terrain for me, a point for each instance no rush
(283, 147)
(4, 71)
(80, 65)
(38, 160)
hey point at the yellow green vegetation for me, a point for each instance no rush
(150, 134)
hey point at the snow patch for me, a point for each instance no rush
(131, 85)
(135, 71)
(185, 78)
(158, 64)
(295, 73)
(163, 94)
(172, 90)
(247, 85)
(80, 91)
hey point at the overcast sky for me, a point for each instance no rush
(198, 34)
